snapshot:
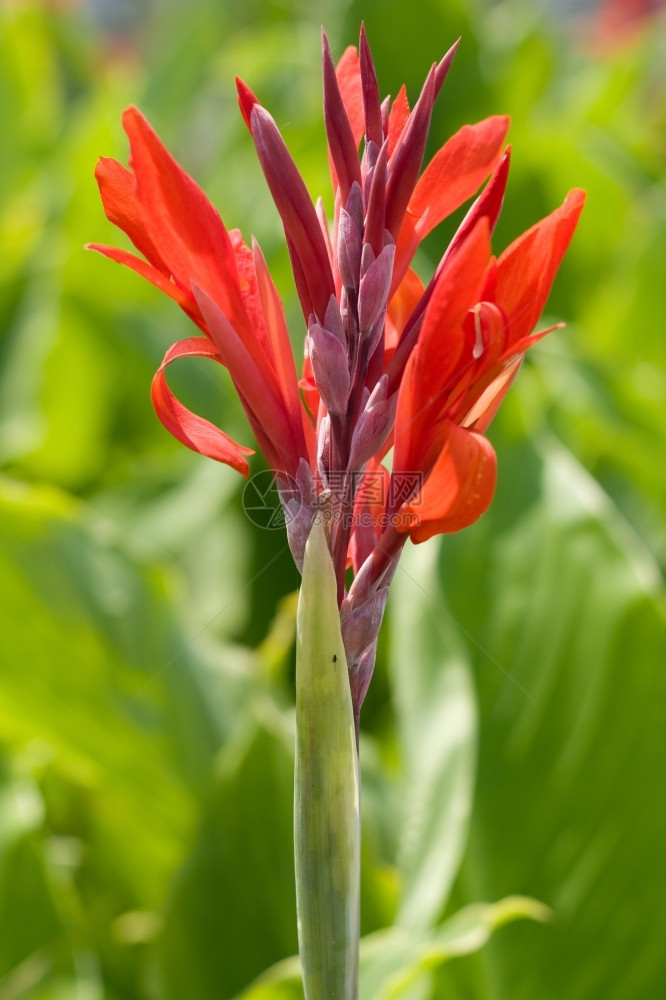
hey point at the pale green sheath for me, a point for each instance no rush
(326, 802)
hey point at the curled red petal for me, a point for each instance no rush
(192, 430)
(458, 490)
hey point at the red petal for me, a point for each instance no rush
(348, 72)
(118, 190)
(180, 220)
(280, 345)
(398, 118)
(482, 413)
(195, 432)
(526, 270)
(458, 490)
(279, 435)
(451, 177)
(428, 381)
(246, 101)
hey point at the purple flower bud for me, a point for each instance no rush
(373, 426)
(348, 250)
(306, 243)
(338, 130)
(333, 320)
(329, 367)
(354, 205)
(367, 258)
(360, 682)
(376, 204)
(371, 99)
(374, 289)
(361, 626)
(407, 157)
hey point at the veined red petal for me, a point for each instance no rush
(451, 177)
(276, 431)
(118, 191)
(308, 386)
(179, 219)
(280, 346)
(426, 382)
(526, 270)
(398, 116)
(348, 72)
(192, 430)
(458, 490)
(258, 344)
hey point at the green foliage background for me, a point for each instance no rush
(513, 740)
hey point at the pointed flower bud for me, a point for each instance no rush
(373, 426)
(361, 626)
(333, 320)
(330, 368)
(354, 205)
(349, 250)
(374, 289)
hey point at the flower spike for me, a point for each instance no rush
(389, 363)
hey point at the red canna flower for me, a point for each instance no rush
(389, 364)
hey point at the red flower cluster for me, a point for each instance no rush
(389, 364)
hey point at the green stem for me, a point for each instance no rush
(326, 800)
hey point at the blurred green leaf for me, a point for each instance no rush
(233, 908)
(570, 605)
(397, 964)
(436, 718)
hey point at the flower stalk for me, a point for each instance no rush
(326, 787)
